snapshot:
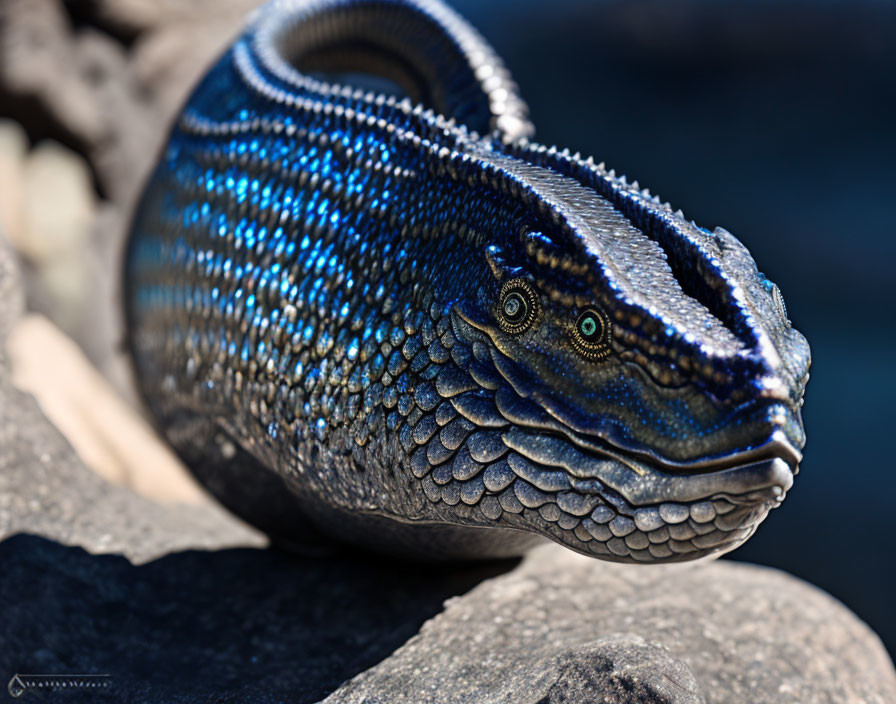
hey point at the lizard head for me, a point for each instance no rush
(638, 382)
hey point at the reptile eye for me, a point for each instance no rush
(518, 306)
(591, 334)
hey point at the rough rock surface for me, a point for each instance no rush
(565, 628)
(46, 489)
(109, 435)
(12, 297)
(240, 625)
(230, 625)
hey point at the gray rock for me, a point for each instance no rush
(169, 59)
(230, 625)
(564, 628)
(12, 295)
(36, 63)
(112, 101)
(131, 18)
(620, 668)
(107, 88)
(80, 86)
(46, 489)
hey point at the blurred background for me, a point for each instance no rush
(775, 120)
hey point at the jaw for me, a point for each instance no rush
(673, 531)
(544, 484)
(662, 534)
(600, 501)
(653, 518)
(630, 510)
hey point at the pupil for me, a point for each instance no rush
(513, 305)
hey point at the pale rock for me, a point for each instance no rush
(13, 149)
(106, 432)
(58, 203)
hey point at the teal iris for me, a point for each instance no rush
(588, 326)
(590, 335)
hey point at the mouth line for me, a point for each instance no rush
(759, 475)
(643, 462)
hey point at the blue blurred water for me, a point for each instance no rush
(778, 122)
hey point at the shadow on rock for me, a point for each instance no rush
(222, 626)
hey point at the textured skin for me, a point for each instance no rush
(425, 325)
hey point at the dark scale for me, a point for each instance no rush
(395, 320)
